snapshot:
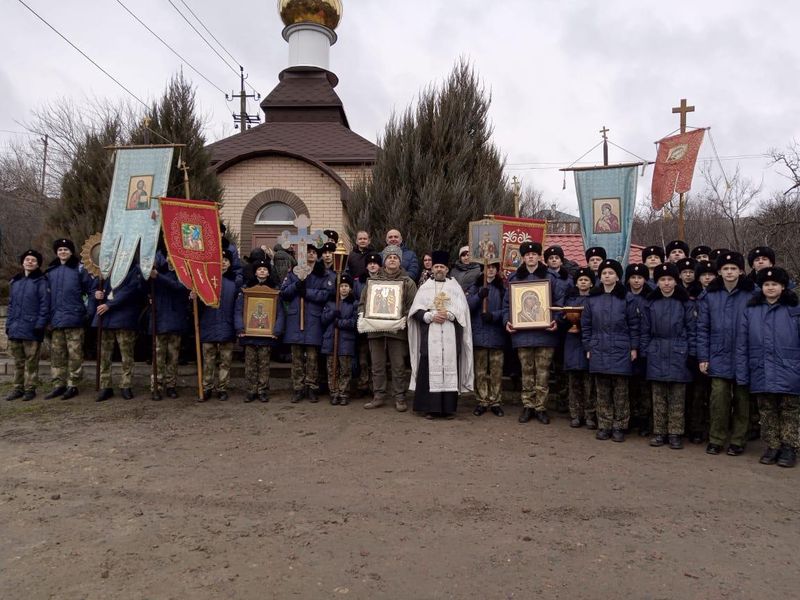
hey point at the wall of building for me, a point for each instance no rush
(320, 193)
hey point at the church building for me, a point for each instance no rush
(304, 159)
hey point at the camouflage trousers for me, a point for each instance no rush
(344, 366)
(26, 363)
(66, 357)
(488, 363)
(613, 409)
(535, 364)
(217, 359)
(126, 338)
(729, 409)
(364, 367)
(668, 407)
(168, 347)
(581, 400)
(780, 419)
(305, 367)
(256, 368)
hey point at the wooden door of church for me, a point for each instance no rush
(265, 235)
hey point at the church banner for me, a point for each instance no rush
(606, 199)
(194, 245)
(515, 231)
(133, 219)
(674, 168)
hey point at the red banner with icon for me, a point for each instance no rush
(674, 168)
(194, 245)
(517, 230)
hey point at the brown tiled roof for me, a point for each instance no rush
(572, 245)
(304, 117)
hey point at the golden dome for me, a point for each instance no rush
(321, 12)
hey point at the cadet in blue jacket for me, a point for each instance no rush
(652, 256)
(610, 334)
(637, 277)
(372, 264)
(768, 360)
(172, 320)
(582, 406)
(304, 327)
(488, 339)
(344, 319)
(668, 341)
(69, 282)
(258, 349)
(218, 334)
(119, 309)
(535, 347)
(720, 309)
(28, 312)
(698, 392)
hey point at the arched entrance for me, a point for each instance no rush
(268, 214)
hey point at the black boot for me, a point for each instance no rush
(657, 441)
(172, 392)
(675, 442)
(788, 457)
(104, 395)
(344, 400)
(591, 423)
(14, 394)
(541, 416)
(602, 434)
(56, 392)
(250, 397)
(312, 396)
(617, 435)
(497, 410)
(297, 396)
(263, 396)
(526, 415)
(479, 410)
(70, 392)
(770, 456)
(127, 393)
(334, 399)
(28, 395)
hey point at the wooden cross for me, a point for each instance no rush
(604, 131)
(301, 240)
(683, 109)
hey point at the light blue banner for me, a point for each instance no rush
(141, 176)
(606, 199)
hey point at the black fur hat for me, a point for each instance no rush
(526, 247)
(610, 263)
(33, 253)
(730, 258)
(686, 264)
(636, 269)
(666, 270)
(373, 257)
(554, 251)
(650, 250)
(64, 243)
(704, 266)
(775, 274)
(328, 247)
(677, 245)
(585, 272)
(440, 257)
(346, 278)
(598, 251)
(760, 251)
(697, 250)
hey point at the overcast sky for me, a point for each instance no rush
(557, 70)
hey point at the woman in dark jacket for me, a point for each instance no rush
(488, 340)
(69, 283)
(668, 342)
(344, 319)
(28, 312)
(610, 334)
(464, 271)
(258, 349)
(218, 334)
(768, 360)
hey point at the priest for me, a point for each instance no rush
(440, 343)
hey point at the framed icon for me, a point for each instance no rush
(140, 188)
(529, 304)
(485, 240)
(605, 215)
(384, 300)
(260, 311)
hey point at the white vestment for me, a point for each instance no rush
(447, 372)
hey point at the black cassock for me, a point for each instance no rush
(424, 400)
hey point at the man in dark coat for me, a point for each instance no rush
(69, 283)
(357, 259)
(409, 261)
(28, 312)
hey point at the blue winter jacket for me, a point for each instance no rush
(28, 307)
(533, 338)
(640, 364)
(277, 329)
(668, 336)
(610, 330)
(125, 302)
(68, 283)
(487, 335)
(768, 346)
(172, 303)
(561, 281)
(319, 288)
(719, 315)
(410, 263)
(217, 324)
(574, 354)
(348, 309)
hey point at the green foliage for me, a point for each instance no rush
(437, 169)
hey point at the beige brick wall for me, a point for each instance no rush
(352, 174)
(320, 193)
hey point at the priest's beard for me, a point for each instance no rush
(440, 277)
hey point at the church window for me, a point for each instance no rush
(276, 213)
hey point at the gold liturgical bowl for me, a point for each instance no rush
(573, 315)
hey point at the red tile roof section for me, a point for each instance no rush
(572, 244)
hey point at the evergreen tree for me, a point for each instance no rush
(174, 119)
(437, 169)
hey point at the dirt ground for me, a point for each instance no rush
(138, 499)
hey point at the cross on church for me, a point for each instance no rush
(301, 240)
(604, 131)
(683, 109)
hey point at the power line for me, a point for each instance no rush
(86, 56)
(175, 52)
(16, 132)
(544, 166)
(208, 31)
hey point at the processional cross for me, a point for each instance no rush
(301, 240)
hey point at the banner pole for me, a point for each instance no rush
(336, 337)
(99, 341)
(485, 283)
(200, 396)
(154, 391)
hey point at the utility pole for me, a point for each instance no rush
(515, 186)
(243, 120)
(683, 109)
(45, 141)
